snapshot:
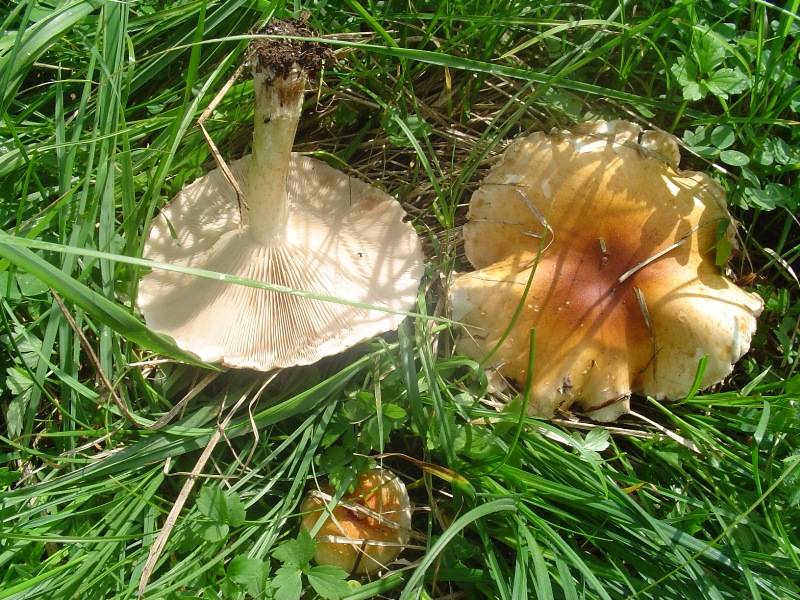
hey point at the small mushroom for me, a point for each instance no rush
(626, 296)
(303, 225)
(367, 530)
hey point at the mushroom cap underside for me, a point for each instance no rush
(345, 239)
(625, 296)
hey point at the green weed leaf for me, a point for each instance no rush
(708, 52)
(7, 476)
(723, 248)
(287, 582)
(211, 502)
(235, 509)
(220, 506)
(696, 137)
(297, 552)
(772, 196)
(394, 412)
(596, 439)
(402, 131)
(242, 569)
(30, 286)
(214, 532)
(360, 407)
(328, 581)
(727, 81)
(734, 158)
(686, 74)
(20, 385)
(780, 151)
(723, 137)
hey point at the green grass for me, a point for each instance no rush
(98, 109)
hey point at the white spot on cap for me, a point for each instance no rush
(591, 145)
(671, 185)
(512, 179)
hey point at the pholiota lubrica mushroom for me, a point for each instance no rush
(304, 226)
(626, 295)
(367, 530)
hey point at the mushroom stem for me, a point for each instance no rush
(279, 103)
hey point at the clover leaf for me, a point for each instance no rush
(702, 69)
(327, 581)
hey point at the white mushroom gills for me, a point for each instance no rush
(307, 227)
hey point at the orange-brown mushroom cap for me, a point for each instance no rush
(626, 296)
(368, 530)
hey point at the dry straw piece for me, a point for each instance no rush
(305, 226)
(367, 530)
(626, 296)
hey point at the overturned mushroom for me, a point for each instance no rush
(368, 529)
(306, 226)
(626, 296)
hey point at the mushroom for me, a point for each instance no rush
(303, 225)
(367, 530)
(625, 295)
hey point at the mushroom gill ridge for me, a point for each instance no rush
(281, 326)
(346, 241)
